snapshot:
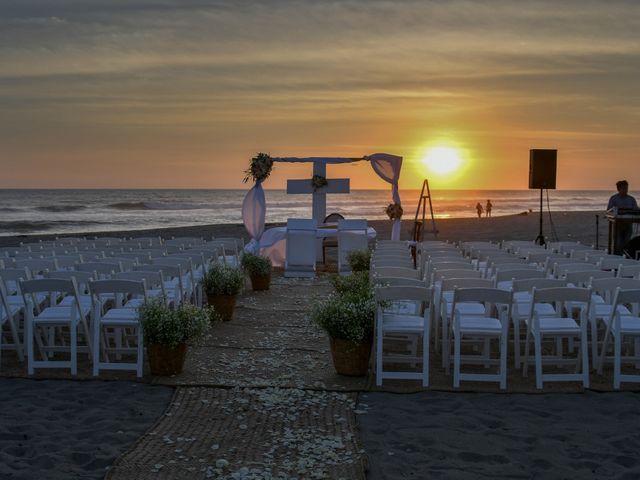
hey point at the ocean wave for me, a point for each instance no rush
(9, 209)
(157, 206)
(60, 208)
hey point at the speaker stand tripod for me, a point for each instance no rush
(540, 238)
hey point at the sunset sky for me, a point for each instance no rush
(181, 94)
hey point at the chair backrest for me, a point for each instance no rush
(506, 275)
(102, 269)
(301, 242)
(82, 278)
(561, 295)
(629, 271)
(412, 293)
(449, 284)
(563, 269)
(151, 279)
(37, 266)
(15, 274)
(68, 261)
(125, 263)
(528, 284)
(582, 279)
(124, 287)
(439, 274)
(402, 272)
(398, 281)
(491, 296)
(53, 288)
(627, 297)
(606, 287)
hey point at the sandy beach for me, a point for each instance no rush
(580, 226)
(62, 429)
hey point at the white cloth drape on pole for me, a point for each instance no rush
(254, 212)
(388, 168)
(254, 206)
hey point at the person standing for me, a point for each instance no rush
(622, 199)
(479, 209)
(488, 208)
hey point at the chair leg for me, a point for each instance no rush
(594, 343)
(29, 339)
(617, 360)
(537, 341)
(425, 357)
(516, 342)
(140, 362)
(96, 347)
(525, 362)
(456, 359)
(584, 350)
(379, 338)
(603, 352)
(73, 337)
(504, 342)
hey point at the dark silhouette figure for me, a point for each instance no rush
(622, 199)
(479, 209)
(488, 208)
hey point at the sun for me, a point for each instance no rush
(442, 160)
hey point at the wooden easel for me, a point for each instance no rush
(421, 212)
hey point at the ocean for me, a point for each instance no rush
(73, 211)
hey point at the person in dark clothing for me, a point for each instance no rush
(622, 199)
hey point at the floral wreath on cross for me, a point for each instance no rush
(394, 211)
(318, 181)
(259, 168)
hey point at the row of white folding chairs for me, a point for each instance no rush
(542, 315)
(58, 319)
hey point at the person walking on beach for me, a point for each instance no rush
(488, 208)
(622, 199)
(479, 209)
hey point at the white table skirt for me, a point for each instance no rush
(273, 243)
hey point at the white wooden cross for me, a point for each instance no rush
(319, 208)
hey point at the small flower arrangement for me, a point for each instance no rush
(256, 264)
(223, 280)
(349, 313)
(394, 211)
(259, 168)
(163, 326)
(318, 182)
(359, 260)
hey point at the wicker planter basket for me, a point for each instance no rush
(223, 304)
(165, 359)
(261, 282)
(349, 358)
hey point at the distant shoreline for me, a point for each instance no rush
(579, 225)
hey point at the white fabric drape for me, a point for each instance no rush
(254, 212)
(254, 207)
(388, 168)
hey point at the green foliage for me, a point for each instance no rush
(223, 280)
(164, 326)
(349, 313)
(256, 264)
(359, 260)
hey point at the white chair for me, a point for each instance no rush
(485, 326)
(602, 308)
(582, 278)
(172, 275)
(120, 321)
(42, 327)
(10, 314)
(403, 272)
(504, 278)
(557, 326)
(37, 266)
(301, 248)
(352, 236)
(155, 284)
(444, 310)
(522, 297)
(403, 324)
(621, 325)
(103, 270)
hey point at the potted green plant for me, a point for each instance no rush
(259, 270)
(222, 284)
(348, 317)
(167, 331)
(359, 260)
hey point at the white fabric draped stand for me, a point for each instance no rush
(254, 206)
